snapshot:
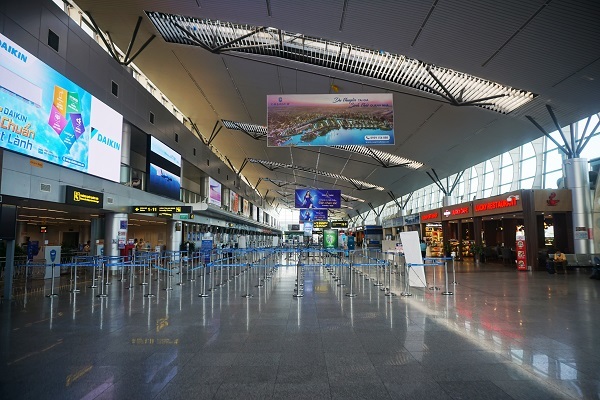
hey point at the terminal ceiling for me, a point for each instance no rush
(547, 47)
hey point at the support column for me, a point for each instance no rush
(96, 233)
(576, 174)
(530, 221)
(115, 233)
(126, 177)
(175, 235)
(448, 200)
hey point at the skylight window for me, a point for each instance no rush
(458, 88)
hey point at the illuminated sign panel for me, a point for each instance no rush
(457, 212)
(330, 119)
(45, 115)
(317, 198)
(509, 202)
(82, 197)
(431, 216)
(320, 224)
(339, 224)
(164, 170)
(162, 209)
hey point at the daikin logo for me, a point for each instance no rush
(13, 51)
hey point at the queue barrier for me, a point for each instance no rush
(239, 261)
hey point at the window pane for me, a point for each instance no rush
(504, 188)
(506, 160)
(551, 178)
(506, 175)
(553, 160)
(488, 181)
(527, 151)
(527, 183)
(592, 149)
(528, 168)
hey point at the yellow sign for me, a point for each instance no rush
(86, 198)
(36, 163)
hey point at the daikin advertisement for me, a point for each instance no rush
(46, 116)
(330, 119)
(317, 198)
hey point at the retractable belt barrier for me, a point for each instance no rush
(218, 267)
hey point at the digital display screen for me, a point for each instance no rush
(163, 182)
(164, 151)
(46, 116)
(164, 170)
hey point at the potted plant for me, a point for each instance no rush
(477, 250)
(447, 249)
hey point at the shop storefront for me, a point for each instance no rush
(431, 231)
(457, 229)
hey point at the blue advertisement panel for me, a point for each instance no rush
(164, 151)
(163, 182)
(206, 248)
(330, 119)
(318, 198)
(313, 214)
(46, 116)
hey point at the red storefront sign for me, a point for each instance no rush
(521, 255)
(433, 215)
(511, 201)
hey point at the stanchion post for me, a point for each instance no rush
(351, 293)
(52, 294)
(74, 290)
(446, 292)
(406, 292)
(94, 266)
(102, 285)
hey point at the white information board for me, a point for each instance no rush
(412, 254)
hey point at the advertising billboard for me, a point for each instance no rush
(163, 182)
(245, 207)
(214, 192)
(164, 170)
(162, 150)
(317, 198)
(45, 115)
(330, 238)
(234, 201)
(330, 119)
(313, 214)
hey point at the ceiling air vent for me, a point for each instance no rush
(110, 200)
(45, 187)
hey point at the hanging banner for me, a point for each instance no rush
(330, 119)
(317, 198)
(313, 214)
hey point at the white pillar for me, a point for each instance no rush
(448, 201)
(577, 179)
(175, 235)
(115, 230)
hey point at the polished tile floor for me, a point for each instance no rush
(502, 335)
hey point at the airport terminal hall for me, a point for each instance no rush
(282, 199)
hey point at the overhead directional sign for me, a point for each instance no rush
(339, 224)
(162, 209)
